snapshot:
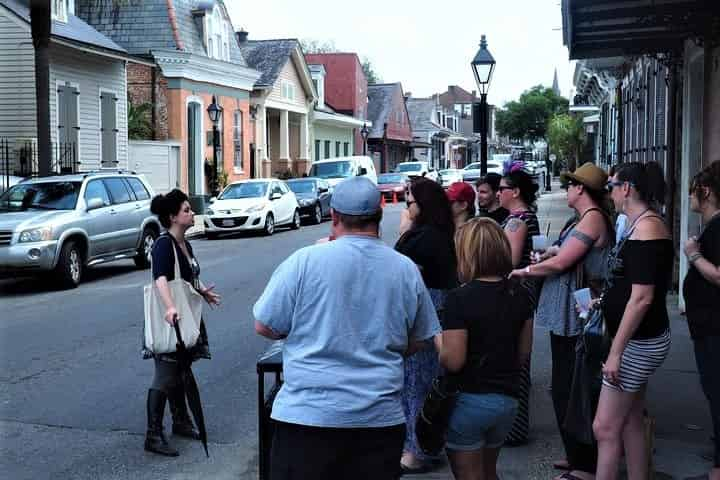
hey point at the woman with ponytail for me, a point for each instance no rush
(636, 317)
(174, 212)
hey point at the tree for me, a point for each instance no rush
(528, 117)
(566, 136)
(370, 73)
(139, 127)
(317, 46)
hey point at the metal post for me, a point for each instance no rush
(483, 134)
(548, 169)
(364, 146)
(214, 184)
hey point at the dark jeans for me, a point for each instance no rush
(300, 452)
(707, 356)
(580, 456)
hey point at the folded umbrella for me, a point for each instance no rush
(184, 359)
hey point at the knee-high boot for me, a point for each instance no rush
(182, 424)
(155, 440)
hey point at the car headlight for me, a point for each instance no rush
(255, 208)
(209, 211)
(305, 202)
(36, 235)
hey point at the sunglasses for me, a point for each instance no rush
(505, 187)
(612, 184)
(409, 203)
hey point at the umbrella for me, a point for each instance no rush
(184, 359)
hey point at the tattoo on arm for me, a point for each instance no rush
(514, 225)
(583, 238)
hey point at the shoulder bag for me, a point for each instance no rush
(160, 335)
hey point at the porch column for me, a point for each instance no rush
(262, 162)
(285, 162)
(304, 160)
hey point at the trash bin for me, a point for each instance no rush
(268, 362)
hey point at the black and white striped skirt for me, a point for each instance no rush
(639, 361)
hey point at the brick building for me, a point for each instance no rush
(390, 138)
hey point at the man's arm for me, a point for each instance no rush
(267, 332)
(274, 309)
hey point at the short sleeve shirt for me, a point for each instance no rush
(349, 309)
(702, 298)
(163, 260)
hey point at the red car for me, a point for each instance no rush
(393, 183)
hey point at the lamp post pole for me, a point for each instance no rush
(483, 134)
(214, 111)
(364, 133)
(483, 66)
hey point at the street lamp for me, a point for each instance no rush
(483, 66)
(364, 133)
(214, 112)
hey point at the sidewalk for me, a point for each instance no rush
(675, 399)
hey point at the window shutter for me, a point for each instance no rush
(61, 115)
(73, 116)
(108, 129)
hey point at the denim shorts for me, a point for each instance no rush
(480, 421)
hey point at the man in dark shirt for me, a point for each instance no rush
(488, 203)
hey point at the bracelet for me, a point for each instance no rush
(527, 269)
(692, 258)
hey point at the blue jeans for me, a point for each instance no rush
(707, 356)
(481, 420)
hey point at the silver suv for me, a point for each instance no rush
(65, 223)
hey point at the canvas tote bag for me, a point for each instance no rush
(160, 335)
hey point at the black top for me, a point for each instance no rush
(163, 263)
(493, 313)
(533, 228)
(702, 298)
(434, 251)
(641, 262)
(499, 214)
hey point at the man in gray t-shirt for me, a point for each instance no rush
(349, 309)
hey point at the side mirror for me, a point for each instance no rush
(322, 189)
(95, 203)
(424, 173)
(212, 199)
(362, 171)
(276, 196)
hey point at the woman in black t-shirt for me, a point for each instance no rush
(634, 306)
(701, 290)
(487, 336)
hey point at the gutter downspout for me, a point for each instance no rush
(673, 152)
(173, 24)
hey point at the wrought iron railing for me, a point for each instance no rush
(19, 157)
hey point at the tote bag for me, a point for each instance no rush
(160, 335)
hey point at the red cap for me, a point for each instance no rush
(461, 192)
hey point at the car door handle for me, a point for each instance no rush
(113, 212)
(138, 207)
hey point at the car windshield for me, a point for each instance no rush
(449, 172)
(409, 167)
(305, 186)
(473, 166)
(41, 196)
(244, 190)
(391, 178)
(331, 169)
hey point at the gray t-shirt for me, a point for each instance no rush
(349, 309)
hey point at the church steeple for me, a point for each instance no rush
(556, 85)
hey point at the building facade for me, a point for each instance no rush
(390, 137)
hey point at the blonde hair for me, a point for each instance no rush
(482, 250)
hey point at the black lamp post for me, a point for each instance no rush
(214, 111)
(364, 133)
(483, 66)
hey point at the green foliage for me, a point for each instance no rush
(527, 118)
(370, 73)
(139, 127)
(566, 137)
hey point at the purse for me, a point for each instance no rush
(432, 420)
(160, 335)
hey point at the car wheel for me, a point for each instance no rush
(69, 268)
(269, 225)
(318, 216)
(211, 235)
(295, 225)
(144, 253)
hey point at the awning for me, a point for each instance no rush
(607, 28)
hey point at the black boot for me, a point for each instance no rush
(182, 424)
(155, 438)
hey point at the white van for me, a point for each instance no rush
(337, 169)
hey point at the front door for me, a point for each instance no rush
(194, 150)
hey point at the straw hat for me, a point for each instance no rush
(589, 175)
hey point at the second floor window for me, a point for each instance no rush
(288, 91)
(216, 35)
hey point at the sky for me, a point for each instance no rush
(426, 45)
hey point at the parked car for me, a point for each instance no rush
(450, 176)
(63, 224)
(313, 195)
(337, 169)
(418, 169)
(8, 181)
(471, 173)
(260, 204)
(393, 184)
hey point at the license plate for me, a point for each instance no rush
(228, 223)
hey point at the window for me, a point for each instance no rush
(327, 148)
(439, 118)
(238, 140)
(96, 189)
(337, 149)
(346, 149)
(317, 150)
(61, 9)
(137, 186)
(288, 91)
(217, 35)
(284, 188)
(118, 190)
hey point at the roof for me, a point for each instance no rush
(456, 94)
(75, 29)
(421, 112)
(268, 56)
(380, 104)
(141, 27)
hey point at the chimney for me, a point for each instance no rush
(408, 95)
(474, 93)
(242, 35)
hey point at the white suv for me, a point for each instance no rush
(418, 169)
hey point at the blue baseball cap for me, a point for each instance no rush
(356, 196)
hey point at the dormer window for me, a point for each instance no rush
(217, 35)
(62, 9)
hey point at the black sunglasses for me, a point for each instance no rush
(505, 187)
(613, 183)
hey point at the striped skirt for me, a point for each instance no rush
(521, 427)
(639, 361)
